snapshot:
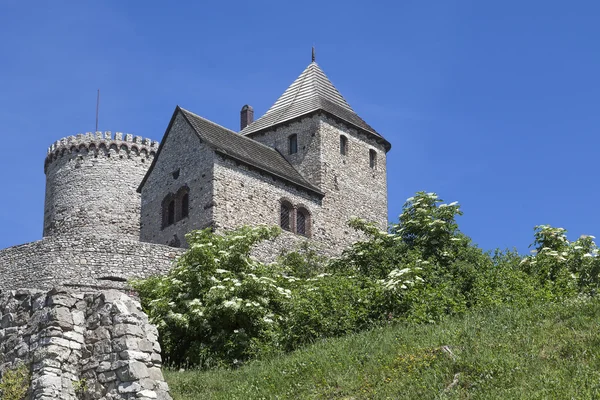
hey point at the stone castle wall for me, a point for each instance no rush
(246, 196)
(307, 160)
(351, 186)
(82, 261)
(91, 183)
(184, 161)
(94, 346)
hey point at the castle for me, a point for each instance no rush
(119, 206)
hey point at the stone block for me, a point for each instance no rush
(129, 387)
(127, 329)
(147, 394)
(134, 355)
(62, 317)
(134, 370)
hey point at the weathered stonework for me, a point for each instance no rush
(99, 231)
(86, 262)
(352, 188)
(91, 184)
(92, 346)
(183, 161)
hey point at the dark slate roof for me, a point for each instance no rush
(246, 150)
(311, 91)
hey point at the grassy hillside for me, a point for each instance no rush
(544, 352)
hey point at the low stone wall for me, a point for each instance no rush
(75, 345)
(85, 261)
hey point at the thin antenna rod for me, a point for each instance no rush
(313, 54)
(97, 106)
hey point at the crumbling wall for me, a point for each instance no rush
(76, 345)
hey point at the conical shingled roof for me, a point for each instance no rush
(311, 91)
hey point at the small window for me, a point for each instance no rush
(301, 223)
(293, 144)
(284, 221)
(185, 205)
(343, 145)
(372, 158)
(171, 213)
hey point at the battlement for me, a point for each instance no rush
(101, 143)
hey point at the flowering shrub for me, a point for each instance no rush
(567, 266)
(219, 306)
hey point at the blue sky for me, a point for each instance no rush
(492, 104)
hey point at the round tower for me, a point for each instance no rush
(92, 181)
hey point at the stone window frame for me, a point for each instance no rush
(168, 210)
(285, 204)
(175, 207)
(343, 145)
(293, 144)
(372, 158)
(182, 194)
(185, 205)
(302, 210)
(293, 212)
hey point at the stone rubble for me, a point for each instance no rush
(91, 346)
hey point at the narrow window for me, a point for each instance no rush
(343, 145)
(372, 158)
(285, 217)
(171, 213)
(185, 205)
(302, 222)
(293, 144)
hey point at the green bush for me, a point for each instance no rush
(218, 306)
(15, 383)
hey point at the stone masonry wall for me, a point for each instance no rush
(351, 186)
(92, 346)
(92, 181)
(307, 160)
(244, 196)
(182, 161)
(88, 261)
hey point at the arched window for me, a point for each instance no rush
(171, 213)
(343, 145)
(293, 145)
(285, 220)
(168, 210)
(303, 222)
(182, 203)
(372, 158)
(185, 205)
(175, 207)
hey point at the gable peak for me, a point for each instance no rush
(311, 91)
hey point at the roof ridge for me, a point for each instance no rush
(237, 134)
(206, 119)
(231, 152)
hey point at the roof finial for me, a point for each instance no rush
(313, 54)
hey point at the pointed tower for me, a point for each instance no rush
(319, 133)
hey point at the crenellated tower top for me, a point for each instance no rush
(91, 182)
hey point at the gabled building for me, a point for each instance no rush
(309, 164)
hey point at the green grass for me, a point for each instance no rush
(544, 352)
